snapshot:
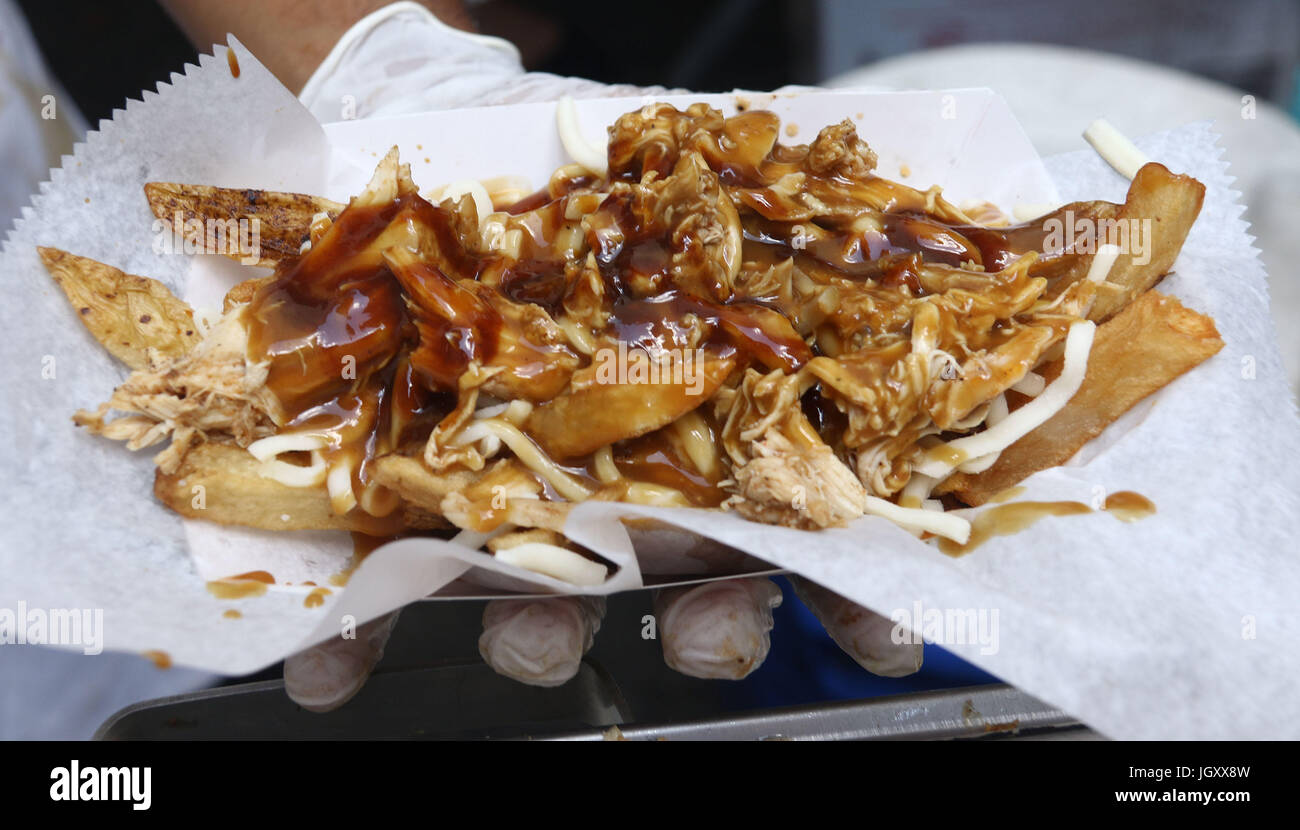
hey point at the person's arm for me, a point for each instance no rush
(291, 37)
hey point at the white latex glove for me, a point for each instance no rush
(539, 641)
(401, 60)
(717, 630)
(864, 635)
(326, 677)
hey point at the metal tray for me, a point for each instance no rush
(471, 702)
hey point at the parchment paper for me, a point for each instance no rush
(1181, 624)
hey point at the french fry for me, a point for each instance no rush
(1152, 223)
(1171, 203)
(1071, 265)
(222, 483)
(211, 218)
(129, 315)
(609, 412)
(1147, 345)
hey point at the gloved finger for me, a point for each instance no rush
(863, 635)
(539, 641)
(717, 630)
(326, 676)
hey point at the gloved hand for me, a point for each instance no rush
(401, 60)
(327, 676)
(864, 635)
(539, 641)
(717, 630)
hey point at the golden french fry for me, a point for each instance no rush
(1068, 266)
(583, 419)
(129, 315)
(241, 224)
(1147, 345)
(1149, 228)
(222, 483)
(1167, 205)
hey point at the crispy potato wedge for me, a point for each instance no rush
(129, 315)
(1062, 268)
(281, 220)
(1171, 203)
(1147, 345)
(221, 483)
(1152, 225)
(590, 415)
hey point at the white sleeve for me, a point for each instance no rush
(402, 59)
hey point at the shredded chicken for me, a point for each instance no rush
(211, 390)
(690, 211)
(782, 472)
(838, 151)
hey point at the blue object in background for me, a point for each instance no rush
(1295, 96)
(805, 667)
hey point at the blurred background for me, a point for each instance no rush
(1144, 66)
(106, 50)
